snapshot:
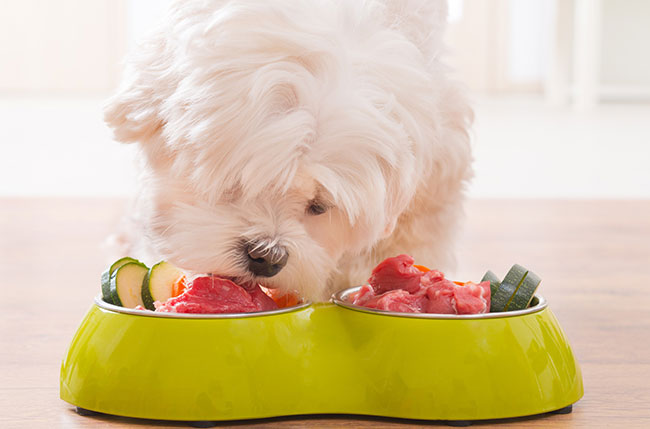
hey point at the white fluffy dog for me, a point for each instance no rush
(295, 143)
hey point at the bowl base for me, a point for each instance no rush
(203, 424)
(566, 410)
(214, 423)
(459, 423)
(85, 412)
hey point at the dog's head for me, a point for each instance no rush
(279, 136)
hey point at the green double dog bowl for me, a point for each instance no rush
(318, 359)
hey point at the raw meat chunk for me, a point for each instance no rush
(211, 294)
(396, 286)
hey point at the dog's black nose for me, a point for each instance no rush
(264, 258)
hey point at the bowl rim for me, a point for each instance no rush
(340, 298)
(99, 302)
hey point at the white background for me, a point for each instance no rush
(61, 60)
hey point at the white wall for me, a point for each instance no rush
(60, 47)
(626, 43)
(529, 23)
(59, 61)
(76, 46)
(70, 47)
(142, 16)
(504, 45)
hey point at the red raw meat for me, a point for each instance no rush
(431, 294)
(395, 273)
(262, 300)
(473, 298)
(363, 295)
(398, 300)
(440, 298)
(210, 294)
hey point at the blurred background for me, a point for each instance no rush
(561, 90)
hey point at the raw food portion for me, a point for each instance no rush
(396, 273)
(211, 294)
(472, 298)
(282, 298)
(394, 300)
(432, 293)
(494, 281)
(261, 299)
(106, 277)
(126, 284)
(508, 287)
(157, 282)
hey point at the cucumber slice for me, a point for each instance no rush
(507, 288)
(494, 282)
(525, 293)
(106, 277)
(157, 284)
(126, 284)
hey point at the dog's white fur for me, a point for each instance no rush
(246, 110)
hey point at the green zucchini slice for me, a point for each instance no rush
(494, 282)
(126, 284)
(502, 296)
(516, 274)
(106, 277)
(516, 291)
(158, 282)
(525, 293)
(507, 288)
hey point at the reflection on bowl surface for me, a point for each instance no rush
(341, 298)
(148, 313)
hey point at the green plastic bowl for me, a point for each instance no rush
(320, 358)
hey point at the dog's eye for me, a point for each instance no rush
(315, 208)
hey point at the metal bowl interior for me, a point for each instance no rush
(147, 313)
(341, 299)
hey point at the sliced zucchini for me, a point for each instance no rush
(126, 284)
(494, 282)
(516, 274)
(106, 277)
(525, 293)
(516, 291)
(501, 298)
(158, 282)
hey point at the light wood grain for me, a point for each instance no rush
(594, 257)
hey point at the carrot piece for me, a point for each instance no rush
(425, 269)
(179, 286)
(422, 268)
(282, 299)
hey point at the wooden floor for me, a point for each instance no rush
(594, 257)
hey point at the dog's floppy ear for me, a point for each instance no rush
(422, 21)
(134, 112)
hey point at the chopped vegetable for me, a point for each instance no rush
(179, 286)
(126, 284)
(158, 284)
(106, 277)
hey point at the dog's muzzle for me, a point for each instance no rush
(265, 259)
